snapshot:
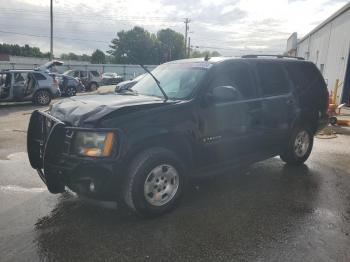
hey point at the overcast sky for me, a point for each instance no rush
(231, 27)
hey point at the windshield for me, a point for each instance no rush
(178, 81)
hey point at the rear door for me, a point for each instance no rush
(30, 86)
(19, 85)
(230, 130)
(279, 105)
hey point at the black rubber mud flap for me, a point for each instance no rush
(53, 149)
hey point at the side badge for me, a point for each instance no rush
(211, 139)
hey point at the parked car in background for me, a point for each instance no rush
(69, 85)
(191, 117)
(90, 78)
(111, 78)
(28, 85)
(125, 85)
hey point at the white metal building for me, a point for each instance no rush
(328, 46)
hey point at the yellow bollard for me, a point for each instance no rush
(335, 91)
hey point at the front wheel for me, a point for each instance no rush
(299, 146)
(42, 98)
(155, 182)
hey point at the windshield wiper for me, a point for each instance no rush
(149, 72)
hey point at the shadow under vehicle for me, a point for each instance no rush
(186, 118)
(28, 85)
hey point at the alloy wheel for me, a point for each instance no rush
(161, 185)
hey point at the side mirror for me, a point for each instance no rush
(225, 94)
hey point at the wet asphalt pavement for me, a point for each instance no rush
(268, 212)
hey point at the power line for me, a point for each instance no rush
(40, 14)
(234, 49)
(57, 37)
(108, 42)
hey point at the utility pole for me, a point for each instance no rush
(189, 47)
(187, 21)
(51, 30)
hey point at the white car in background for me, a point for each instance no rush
(110, 78)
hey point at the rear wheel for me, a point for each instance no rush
(71, 91)
(42, 97)
(333, 120)
(93, 87)
(299, 146)
(155, 182)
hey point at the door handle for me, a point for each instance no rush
(290, 102)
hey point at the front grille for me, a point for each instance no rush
(41, 125)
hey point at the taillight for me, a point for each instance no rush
(55, 82)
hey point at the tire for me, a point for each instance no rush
(93, 87)
(42, 97)
(155, 182)
(333, 120)
(71, 91)
(299, 146)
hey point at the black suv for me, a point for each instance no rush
(187, 118)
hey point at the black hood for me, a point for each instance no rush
(81, 110)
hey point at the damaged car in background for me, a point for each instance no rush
(28, 85)
(184, 119)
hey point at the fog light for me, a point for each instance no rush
(92, 186)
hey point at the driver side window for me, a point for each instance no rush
(237, 75)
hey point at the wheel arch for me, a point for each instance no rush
(181, 145)
(44, 89)
(308, 119)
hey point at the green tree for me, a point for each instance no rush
(73, 56)
(171, 45)
(98, 57)
(138, 43)
(26, 50)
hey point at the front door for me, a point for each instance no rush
(6, 90)
(230, 129)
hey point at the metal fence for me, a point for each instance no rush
(127, 71)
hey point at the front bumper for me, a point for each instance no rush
(48, 143)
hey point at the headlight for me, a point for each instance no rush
(95, 144)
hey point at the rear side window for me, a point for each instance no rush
(76, 74)
(39, 76)
(83, 74)
(95, 73)
(304, 75)
(239, 76)
(273, 79)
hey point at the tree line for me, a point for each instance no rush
(129, 47)
(26, 50)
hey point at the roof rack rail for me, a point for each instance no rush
(277, 56)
